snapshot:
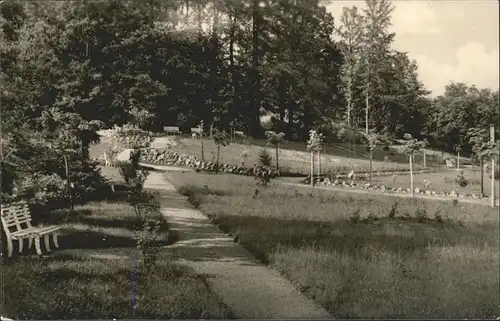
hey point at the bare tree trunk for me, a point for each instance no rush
(493, 181)
(68, 183)
(312, 169)
(277, 158)
(411, 174)
(319, 165)
(256, 90)
(492, 138)
(217, 162)
(481, 163)
(371, 158)
(202, 149)
(367, 102)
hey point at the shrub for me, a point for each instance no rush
(148, 240)
(460, 180)
(421, 214)
(393, 210)
(50, 189)
(264, 158)
(130, 136)
(127, 171)
(355, 216)
(263, 172)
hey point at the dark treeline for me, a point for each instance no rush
(100, 63)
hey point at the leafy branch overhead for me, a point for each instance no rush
(411, 145)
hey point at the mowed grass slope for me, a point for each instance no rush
(98, 274)
(362, 257)
(293, 158)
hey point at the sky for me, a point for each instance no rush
(450, 40)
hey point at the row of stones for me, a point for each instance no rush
(383, 188)
(171, 158)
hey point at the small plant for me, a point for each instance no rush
(244, 156)
(371, 217)
(393, 210)
(263, 172)
(148, 240)
(221, 140)
(460, 180)
(421, 214)
(265, 158)
(275, 139)
(126, 170)
(355, 216)
(438, 218)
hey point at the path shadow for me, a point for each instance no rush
(93, 240)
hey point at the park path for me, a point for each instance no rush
(250, 289)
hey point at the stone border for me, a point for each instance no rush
(387, 189)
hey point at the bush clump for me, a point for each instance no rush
(263, 172)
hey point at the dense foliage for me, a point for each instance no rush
(69, 68)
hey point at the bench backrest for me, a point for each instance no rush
(14, 215)
(171, 129)
(239, 133)
(196, 130)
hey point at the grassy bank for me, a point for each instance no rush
(98, 274)
(362, 257)
(442, 182)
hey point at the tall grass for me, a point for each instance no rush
(362, 257)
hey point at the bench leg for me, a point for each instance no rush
(21, 244)
(46, 239)
(54, 237)
(37, 245)
(10, 247)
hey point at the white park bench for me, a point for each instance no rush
(108, 161)
(239, 133)
(172, 130)
(195, 132)
(16, 222)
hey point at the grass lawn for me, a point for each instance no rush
(441, 182)
(293, 157)
(354, 255)
(93, 275)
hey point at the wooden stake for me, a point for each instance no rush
(319, 164)
(425, 163)
(492, 137)
(312, 168)
(411, 174)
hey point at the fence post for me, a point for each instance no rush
(492, 137)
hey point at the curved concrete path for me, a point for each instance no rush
(250, 289)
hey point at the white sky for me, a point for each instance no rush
(450, 40)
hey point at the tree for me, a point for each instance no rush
(275, 139)
(372, 140)
(375, 50)
(221, 139)
(479, 139)
(314, 145)
(411, 146)
(351, 33)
